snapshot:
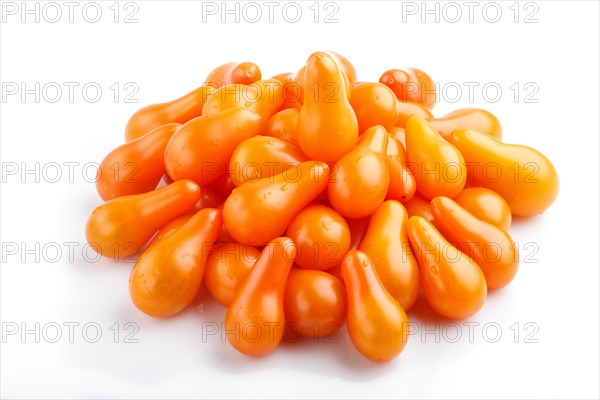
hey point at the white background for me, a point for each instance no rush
(167, 53)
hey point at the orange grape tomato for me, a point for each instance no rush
(180, 111)
(168, 275)
(523, 176)
(374, 104)
(227, 267)
(255, 319)
(467, 118)
(491, 248)
(257, 212)
(411, 85)
(120, 227)
(438, 167)
(263, 97)
(136, 166)
(386, 242)
(377, 324)
(284, 125)
(322, 236)
(233, 72)
(452, 282)
(200, 150)
(327, 125)
(314, 303)
(486, 205)
(262, 156)
(361, 178)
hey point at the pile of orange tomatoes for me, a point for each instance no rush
(312, 200)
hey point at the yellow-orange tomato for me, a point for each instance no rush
(233, 72)
(284, 126)
(377, 324)
(438, 167)
(490, 247)
(120, 227)
(411, 85)
(263, 97)
(386, 243)
(180, 111)
(136, 166)
(167, 276)
(374, 104)
(361, 179)
(255, 319)
(327, 125)
(452, 282)
(201, 149)
(486, 205)
(257, 212)
(467, 118)
(262, 156)
(314, 303)
(522, 175)
(322, 236)
(227, 267)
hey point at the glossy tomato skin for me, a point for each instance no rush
(494, 250)
(170, 228)
(387, 244)
(284, 125)
(121, 227)
(374, 104)
(314, 303)
(200, 150)
(263, 97)
(179, 111)
(322, 236)
(467, 118)
(361, 179)
(438, 167)
(486, 205)
(257, 212)
(407, 109)
(255, 319)
(262, 156)
(523, 176)
(233, 72)
(453, 283)
(227, 267)
(345, 65)
(136, 166)
(377, 324)
(411, 85)
(327, 125)
(402, 182)
(168, 275)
